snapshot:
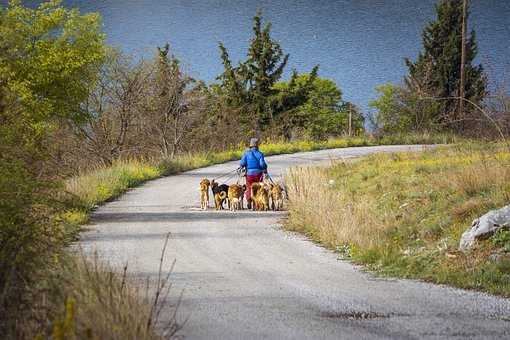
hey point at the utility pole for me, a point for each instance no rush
(463, 60)
(350, 120)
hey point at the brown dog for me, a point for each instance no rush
(220, 193)
(260, 196)
(276, 193)
(235, 197)
(204, 193)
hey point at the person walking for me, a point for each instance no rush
(255, 165)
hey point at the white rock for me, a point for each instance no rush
(485, 226)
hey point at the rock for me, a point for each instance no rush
(485, 226)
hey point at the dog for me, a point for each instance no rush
(220, 193)
(276, 193)
(204, 193)
(260, 196)
(235, 196)
(242, 196)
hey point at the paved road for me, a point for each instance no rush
(245, 278)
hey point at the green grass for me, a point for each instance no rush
(403, 214)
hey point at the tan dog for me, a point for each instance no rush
(260, 196)
(276, 193)
(204, 193)
(235, 197)
(218, 199)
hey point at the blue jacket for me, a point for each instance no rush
(253, 161)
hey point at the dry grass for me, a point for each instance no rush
(325, 214)
(403, 214)
(93, 301)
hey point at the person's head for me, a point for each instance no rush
(254, 142)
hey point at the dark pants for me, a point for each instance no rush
(250, 179)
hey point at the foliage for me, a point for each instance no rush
(113, 109)
(400, 110)
(47, 60)
(403, 214)
(436, 72)
(250, 85)
(429, 98)
(175, 106)
(323, 114)
(147, 108)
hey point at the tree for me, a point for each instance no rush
(48, 62)
(316, 109)
(437, 71)
(50, 55)
(175, 104)
(401, 110)
(250, 85)
(115, 109)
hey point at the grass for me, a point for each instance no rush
(89, 300)
(108, 182)
(403, 214)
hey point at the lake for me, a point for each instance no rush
(358, 43)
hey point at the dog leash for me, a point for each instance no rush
(225, 174)
(270, 178)
(228, 178)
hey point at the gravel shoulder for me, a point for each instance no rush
(242, 276)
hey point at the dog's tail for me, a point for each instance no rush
(223, 195)
(254, 188)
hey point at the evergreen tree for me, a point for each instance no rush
(250, 85)
(436, 73)
(263, 68)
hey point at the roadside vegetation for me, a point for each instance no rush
(86, 299)
(80, 123)
(403, 214)
(104, 183)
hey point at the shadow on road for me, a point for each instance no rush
(122, 217)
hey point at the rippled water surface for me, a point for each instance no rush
(358, 43)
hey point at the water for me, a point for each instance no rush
(358, 43)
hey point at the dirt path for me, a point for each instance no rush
(243, 277)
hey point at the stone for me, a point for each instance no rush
(485, 226)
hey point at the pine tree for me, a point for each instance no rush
(251, 83)
(436, 73)
(264, 68)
